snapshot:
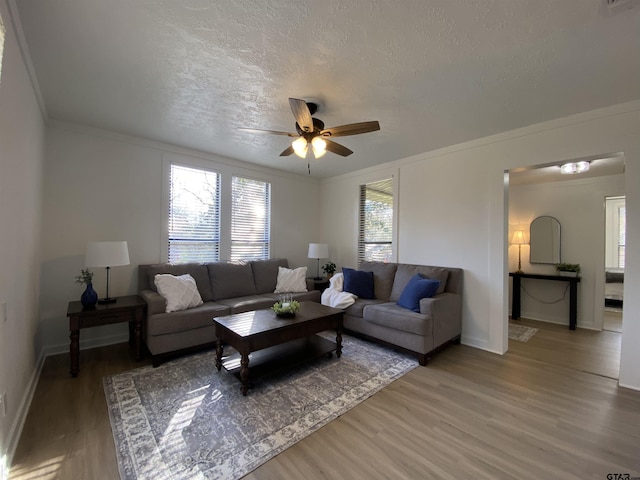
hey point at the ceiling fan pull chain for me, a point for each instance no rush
(309, 166)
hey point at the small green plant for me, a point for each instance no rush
(568, 267)
(286, 308)
(329, 268)
(85, 277)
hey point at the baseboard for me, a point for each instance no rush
(18, 424)
(86, 344)
(21, 417)
(630, 387)
(564, 322)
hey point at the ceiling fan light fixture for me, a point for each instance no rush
(300, 147)
(319, 147)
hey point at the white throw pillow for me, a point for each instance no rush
(180, 292)
(291, 281)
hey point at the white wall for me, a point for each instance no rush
(21, 164)
(579, 206)
(453, 204)
(104, 186)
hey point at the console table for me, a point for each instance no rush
(573, 293)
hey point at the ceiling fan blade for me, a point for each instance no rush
(337, 148)
(302, 114)
(351, 129)
(287, 151)
(273, 132)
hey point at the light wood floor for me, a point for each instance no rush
(468, 414)
(585, 350)
(612, 320)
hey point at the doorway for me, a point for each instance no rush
(577, 203)
(615, 240)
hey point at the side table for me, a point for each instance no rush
(129, 309)
(319, 284)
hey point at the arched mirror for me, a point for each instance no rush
(544, 240)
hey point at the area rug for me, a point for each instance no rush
(186, 420)
(520, 333)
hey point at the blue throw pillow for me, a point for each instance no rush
(358, 282)
(418, 287)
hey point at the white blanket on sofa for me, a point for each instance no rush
(334, 296)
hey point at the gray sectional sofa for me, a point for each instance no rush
(225, 288)
(438, 322)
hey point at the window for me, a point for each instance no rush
(622, 212)
(1, 46)
(375, 237)
(194, 215)
(250, 219)
(615, 231)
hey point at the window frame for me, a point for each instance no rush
(167, 206)
(266, 249)
(360, 252)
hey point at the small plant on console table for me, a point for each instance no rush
(89, 297)
(85, 277)
(568, 269)
(329, 269)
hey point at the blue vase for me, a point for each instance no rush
(89, 297)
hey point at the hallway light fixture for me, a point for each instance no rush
(574, 167)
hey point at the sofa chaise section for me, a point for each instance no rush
(438, 322)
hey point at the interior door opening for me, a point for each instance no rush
(615, 240)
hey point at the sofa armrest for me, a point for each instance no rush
(155, 302)
(446, 311)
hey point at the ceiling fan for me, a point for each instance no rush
(311, 131)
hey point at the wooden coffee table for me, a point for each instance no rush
(266, 341)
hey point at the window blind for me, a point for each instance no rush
(621, 235)
(250, 219)
(2, 34)
(375, 235)
(194, 215)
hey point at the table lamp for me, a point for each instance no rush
(318, 251)
(107, 254)
(518, 239)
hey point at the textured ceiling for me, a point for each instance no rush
(433, 73)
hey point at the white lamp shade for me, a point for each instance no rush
(518, 238)
(318, 250)
(106, 254)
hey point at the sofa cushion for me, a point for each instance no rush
(358, 282)
(291, 280)
(356, 310)
(198, 271)
(229, 280)
(179, 291)
(175, 322)
(311, 295)
(265, 273)
(392, 315)
(406, 271)
(418, 288)
(383, 275)
(248, 303)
